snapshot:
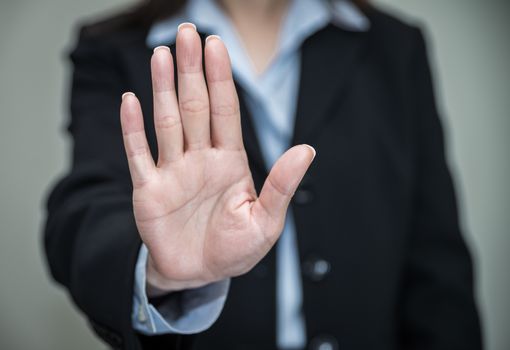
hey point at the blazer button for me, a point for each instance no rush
(316, 269)
(303, 196)
(324, 342)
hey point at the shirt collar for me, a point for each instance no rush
(304, 17)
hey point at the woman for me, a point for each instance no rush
(370, 256)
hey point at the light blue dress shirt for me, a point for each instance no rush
(271, 98)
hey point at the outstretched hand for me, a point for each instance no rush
(197, 210)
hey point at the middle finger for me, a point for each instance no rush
(193, 96)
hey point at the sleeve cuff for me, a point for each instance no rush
(186, 312)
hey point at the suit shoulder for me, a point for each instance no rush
(396, 36)
(388, 23)
(117, 29)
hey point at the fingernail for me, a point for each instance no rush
(313, 150)
(212, 37)
(162, 48)
(128, 94)
(186, 25)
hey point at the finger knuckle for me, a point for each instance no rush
(168, 121)
(136, 151)
(279, 188)
(194, 106)
(225, 110)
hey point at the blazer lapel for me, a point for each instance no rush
(329, 60)
(250, 139)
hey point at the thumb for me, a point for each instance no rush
(270, 208)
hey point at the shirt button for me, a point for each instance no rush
(324, 342)
(142, 316)
(316, 268)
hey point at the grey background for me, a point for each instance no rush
(469, 42)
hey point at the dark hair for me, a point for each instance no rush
(149, 11)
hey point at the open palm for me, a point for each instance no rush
(197, 210)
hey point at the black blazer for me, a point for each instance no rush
(377, 204)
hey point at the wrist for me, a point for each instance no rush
(158, 285)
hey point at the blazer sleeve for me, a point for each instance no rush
(438, 309)
(90, 239)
